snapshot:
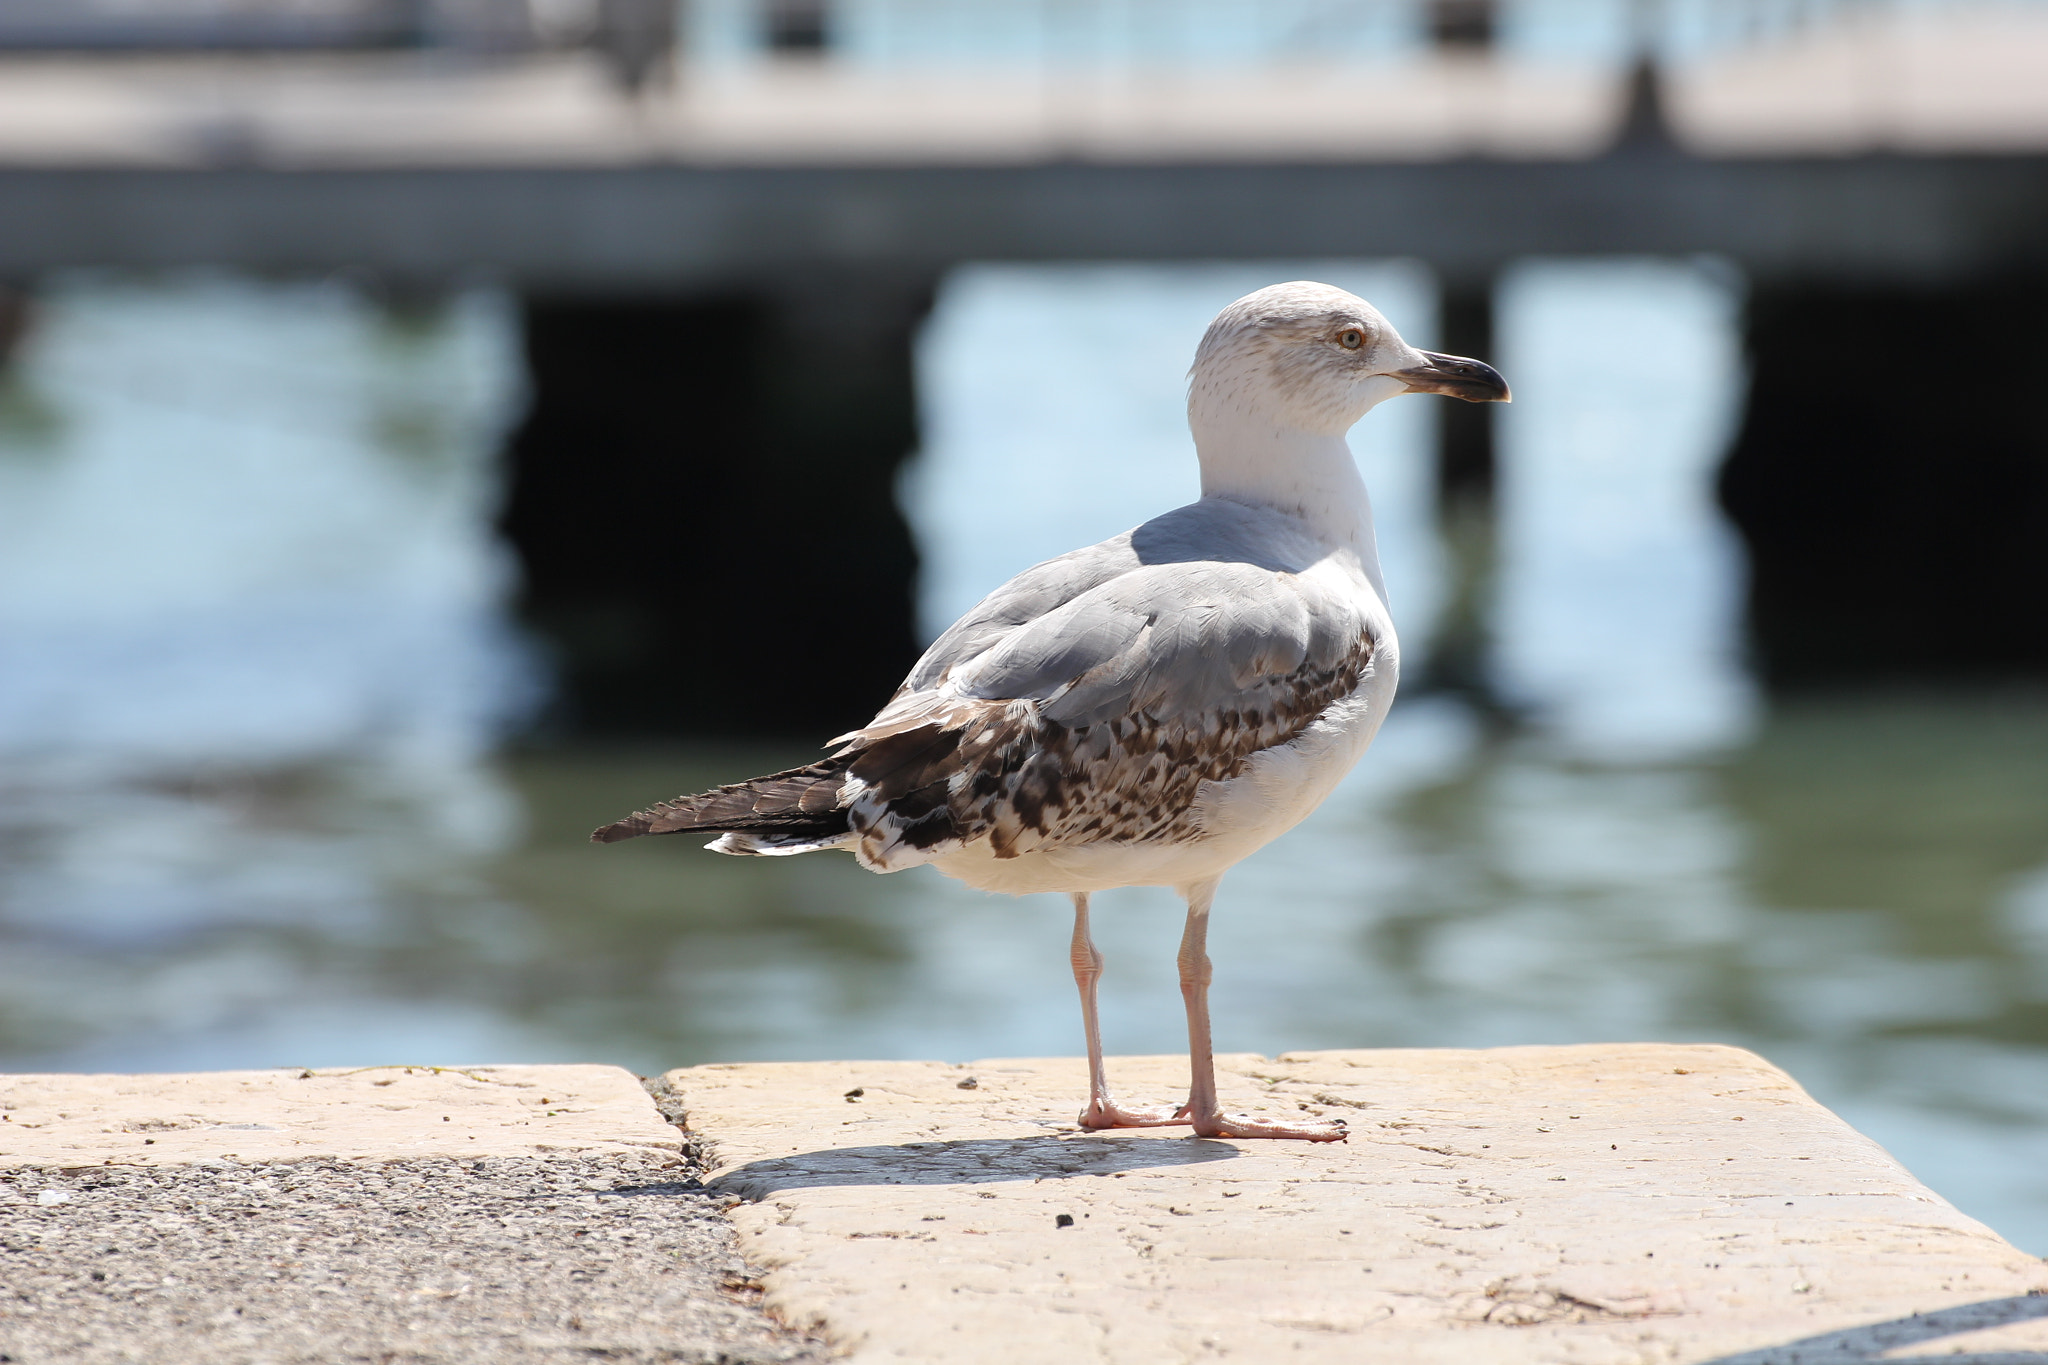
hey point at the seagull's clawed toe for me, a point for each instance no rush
(1237, 1126)
(1102, 1114)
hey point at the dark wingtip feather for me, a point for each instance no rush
(802, 800)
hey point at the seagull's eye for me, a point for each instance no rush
(1351, 338)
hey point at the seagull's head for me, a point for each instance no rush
(1313, 357)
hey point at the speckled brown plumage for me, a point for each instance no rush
(1026, 782)
(1008, 773)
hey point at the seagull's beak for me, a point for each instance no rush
(1455, 377)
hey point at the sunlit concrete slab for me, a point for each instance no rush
(374, 1113)
(1645, 1203)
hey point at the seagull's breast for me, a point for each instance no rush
(1280, 786)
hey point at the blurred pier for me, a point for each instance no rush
(1906, 144)
(688, 199)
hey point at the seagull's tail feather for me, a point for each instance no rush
(792, 812)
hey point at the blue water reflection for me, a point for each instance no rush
(253, 659)
(248, 523)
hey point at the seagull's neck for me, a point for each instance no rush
(1308, 475)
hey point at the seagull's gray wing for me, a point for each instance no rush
(1031, 596)
(1089, 698)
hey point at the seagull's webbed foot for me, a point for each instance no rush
(1219, 1125)
(1103, 1112)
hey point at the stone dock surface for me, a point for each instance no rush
(1596, 1205)
(385, 1214)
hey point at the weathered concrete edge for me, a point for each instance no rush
(743, 1115)
(376, 1113)
(613, 1111)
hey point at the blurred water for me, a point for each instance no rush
(1114, 37)
(252, 655)
(1619, 619)
(246, 523)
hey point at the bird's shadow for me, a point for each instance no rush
(974, 1161)
(1870, 1342)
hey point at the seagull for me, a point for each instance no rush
(1151, 710)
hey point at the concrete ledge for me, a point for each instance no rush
(362, 1114)
(504, 1215)
(1600, 1205)
(1627, 1205)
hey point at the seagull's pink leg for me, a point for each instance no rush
(1203, 1109)
(1102, 1110)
